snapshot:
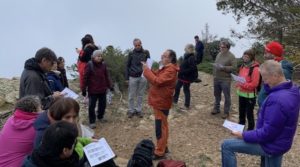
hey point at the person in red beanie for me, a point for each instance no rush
(274, 51)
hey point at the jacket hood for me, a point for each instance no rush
(32, 64)
(53, 73)
(175, 66)
(287, 66)
(23, 120)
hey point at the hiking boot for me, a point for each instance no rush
(157, 157)
(139, 114)
(225, 116)
(130, 114)
(214, 112)
(92, 126)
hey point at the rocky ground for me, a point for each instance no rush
(195, 136)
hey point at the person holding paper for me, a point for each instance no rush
(276, 124)
(225, 64)
(162, 87)
(187, 74)
(247, 90)
(96, 82)
(137, 83)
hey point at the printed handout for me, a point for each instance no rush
(238, 78)
(69, 93)
(98, 152)
(235, 127)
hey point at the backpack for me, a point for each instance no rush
(259, 80)
(170, 163)
(142, 155)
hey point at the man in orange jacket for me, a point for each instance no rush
(163, 82)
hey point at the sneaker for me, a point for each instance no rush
(197, 80)
(184, 108)
(225, 116)
(103, 120)
(157, 157)
(92, 126)
(130, 114)
(139, 114)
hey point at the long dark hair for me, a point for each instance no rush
(173, 56)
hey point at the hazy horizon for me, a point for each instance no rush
(29, 25)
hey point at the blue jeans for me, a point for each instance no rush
(232, 146)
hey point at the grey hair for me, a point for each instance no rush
(136, 40)
(226, 43)
(271, 67)
(28, 104)
(96, 53)
(189, 49)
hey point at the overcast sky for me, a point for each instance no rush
(27, 25)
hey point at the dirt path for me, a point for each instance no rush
(195, 136)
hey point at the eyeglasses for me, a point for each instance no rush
(223, 47)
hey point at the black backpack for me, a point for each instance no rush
(259, 81)
(142, 155)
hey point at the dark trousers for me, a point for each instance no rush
(101, 98)
(186, 91)
(246, 107)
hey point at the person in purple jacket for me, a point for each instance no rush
(276, 123)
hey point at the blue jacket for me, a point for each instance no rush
(277, 119)
(28, 162)
(288, 73)
(40, 125)
(54, 82)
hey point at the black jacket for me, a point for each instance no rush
(134, 66)
(63, 77)
(188, 68)
(86, 55)
(34, 82)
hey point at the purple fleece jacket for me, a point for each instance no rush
(277, 120)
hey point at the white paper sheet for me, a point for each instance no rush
(238, 78)
(235, 127)
(98, 152)
(217, 65)
(69, 93)
(149, 63)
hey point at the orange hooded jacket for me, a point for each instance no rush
(162, 86)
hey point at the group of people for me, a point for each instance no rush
(44, 128)
(278, 100)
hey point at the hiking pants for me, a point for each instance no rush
(219, 87)
(101, 98)
(136, 89)
(246, 107)
(161, 131)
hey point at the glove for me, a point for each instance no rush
(112, 89)
(83, 93)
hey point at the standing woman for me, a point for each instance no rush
(186, 75)
(88, 47)
(162, 86)
(247, 91)
(17, 134)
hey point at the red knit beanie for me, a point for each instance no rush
(276, 49)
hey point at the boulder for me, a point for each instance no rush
(12, 97)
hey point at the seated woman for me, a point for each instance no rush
(57, 147)
(17, 134)
(66, 109)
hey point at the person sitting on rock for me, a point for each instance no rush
(17, 134)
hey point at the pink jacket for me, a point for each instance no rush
(16, 138)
